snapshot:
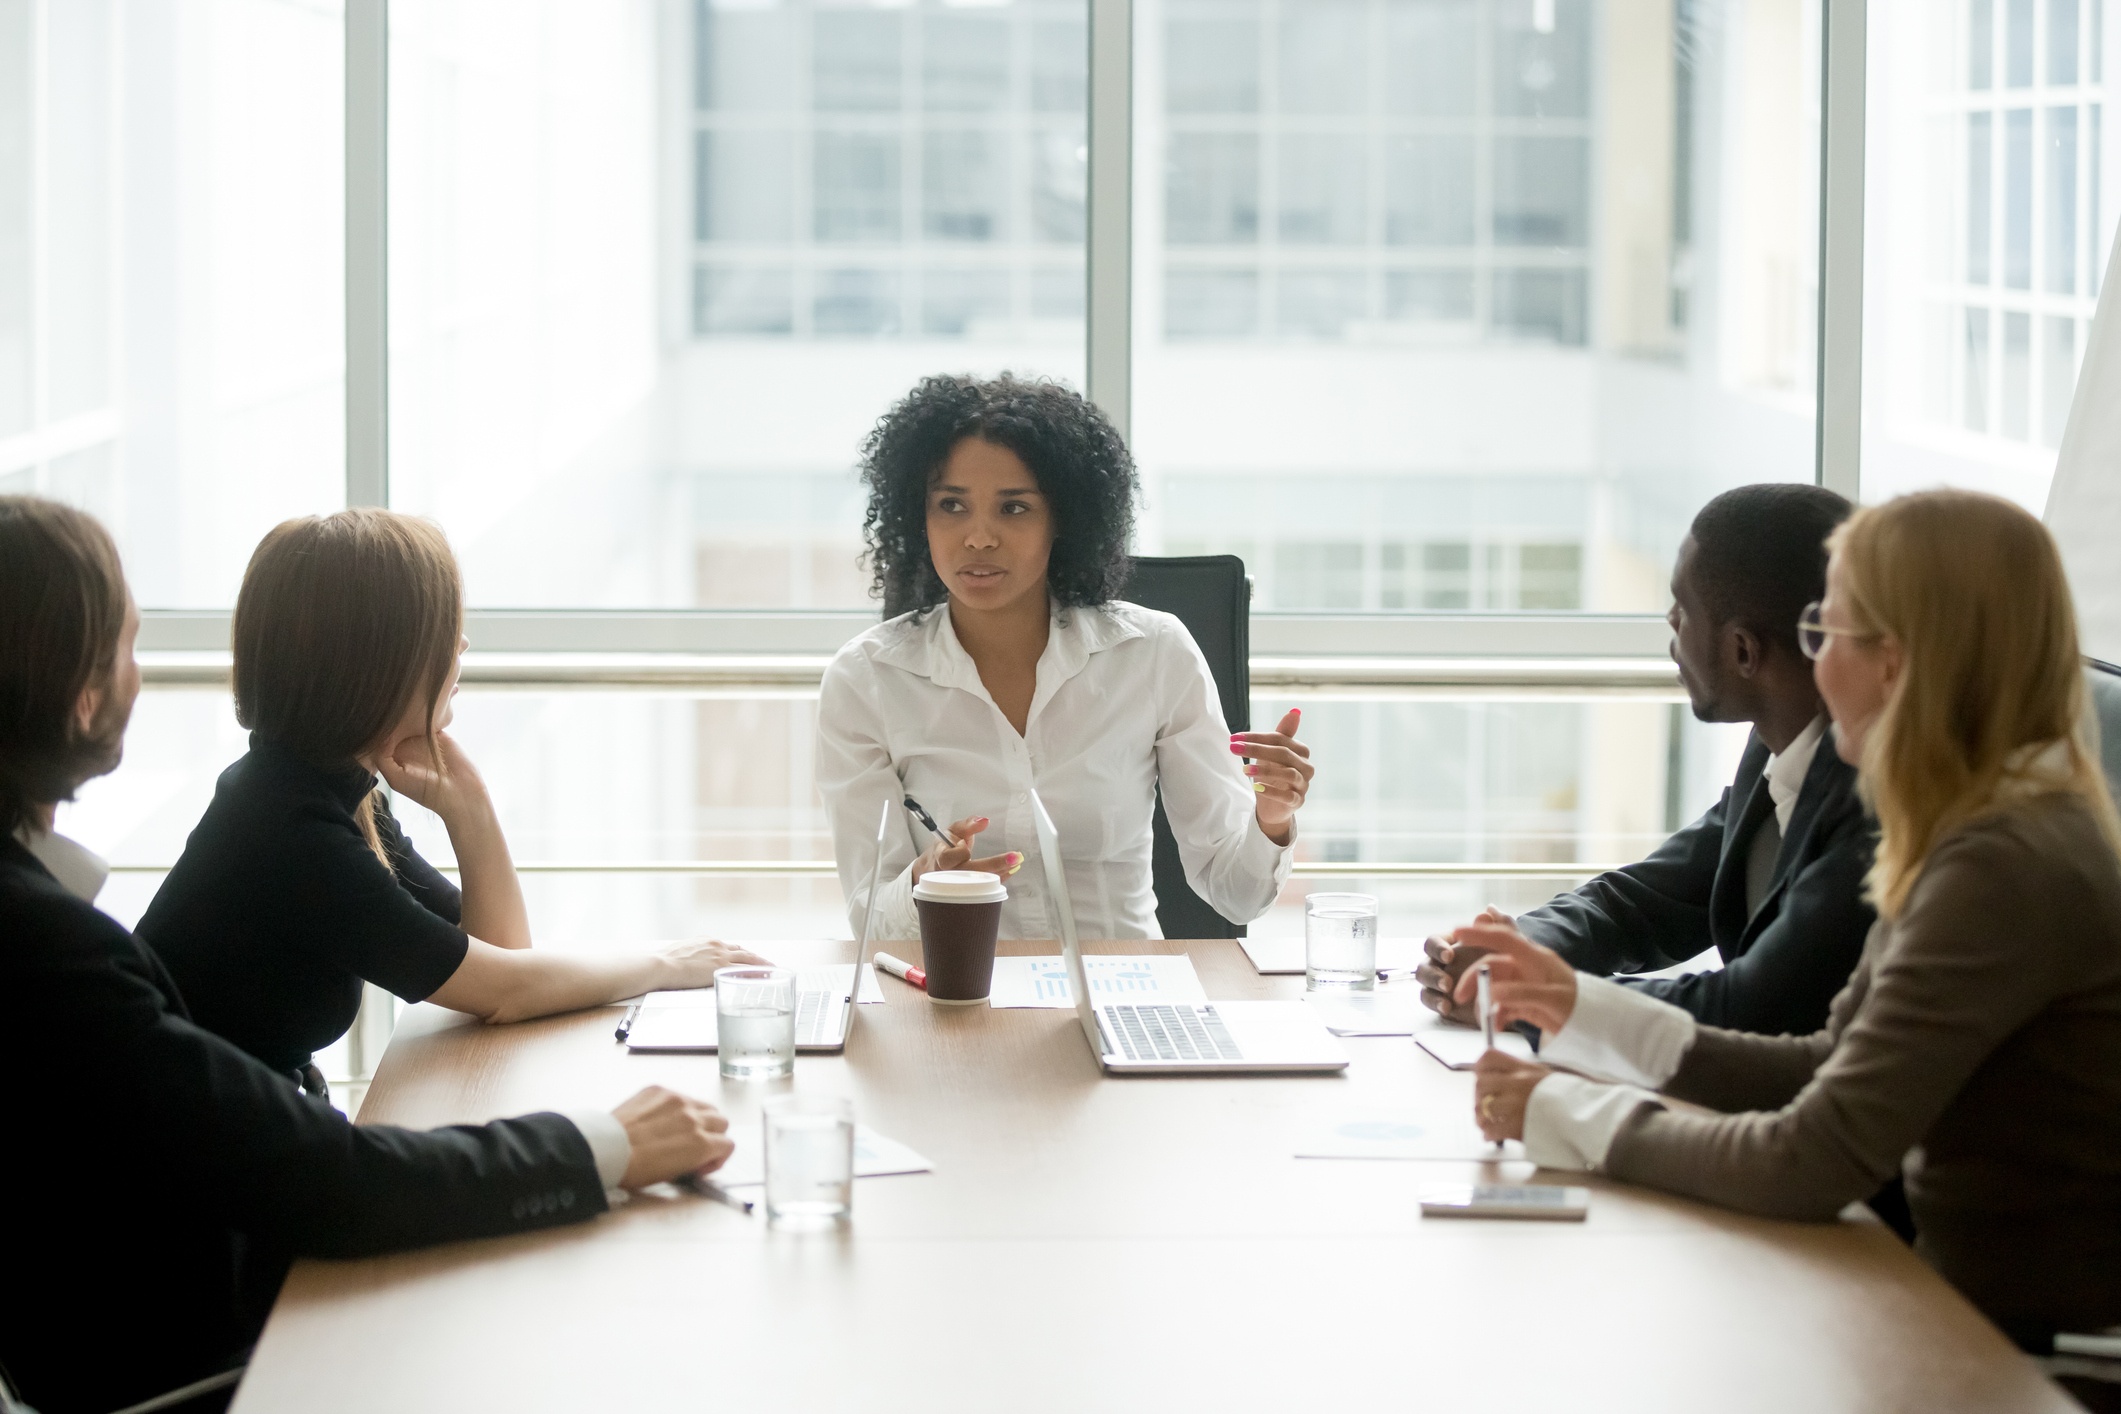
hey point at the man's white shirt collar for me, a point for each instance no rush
(1786, 772)
(79, 870)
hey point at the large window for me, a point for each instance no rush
(1990, 220)
(1466, 305)
(657, 269)
(171, 331)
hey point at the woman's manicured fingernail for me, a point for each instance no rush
(1237, 748)
(1015, 858)
(1014, 867)
(1251, 770)
(1260, 786)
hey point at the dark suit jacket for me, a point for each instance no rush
(1783, 965)
(155, 1180)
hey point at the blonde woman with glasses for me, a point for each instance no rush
(1977, 1048)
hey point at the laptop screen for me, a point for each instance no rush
(865, 939)
(1071, 949)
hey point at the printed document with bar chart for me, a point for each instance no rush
(1043, 981)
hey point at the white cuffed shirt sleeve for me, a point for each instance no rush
(607, 1141)
(1229, 860)
(1613, 1031)
(1569, 1122)
(1621, 1034)
(855, 775)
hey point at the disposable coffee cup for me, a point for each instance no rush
(960, 911)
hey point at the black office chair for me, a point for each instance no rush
(1211, 596)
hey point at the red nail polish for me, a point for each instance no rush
(1237, 748)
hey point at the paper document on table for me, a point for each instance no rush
(875, 1156)
(1284, 957)
(1395, 1011)
(1043, 981)
(1389, 1136)
(1460, 1046)
(824, 976)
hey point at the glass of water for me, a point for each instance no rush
(755, 1022)
(1340, 943)
(809, 1161)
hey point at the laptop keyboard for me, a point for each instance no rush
(1193, 1033)
(810, 1014)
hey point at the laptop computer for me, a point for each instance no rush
(825, 995)
(1181, 1038)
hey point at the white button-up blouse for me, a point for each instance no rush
(1124, 700)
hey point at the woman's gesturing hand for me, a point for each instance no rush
(945, 855)
(1281, 772)
(672, 1134)
(1527, 982)
(1502, 1088)
(449, 786)
(694, 963)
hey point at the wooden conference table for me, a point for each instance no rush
(1098, 1244)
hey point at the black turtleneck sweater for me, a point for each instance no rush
(278, 910)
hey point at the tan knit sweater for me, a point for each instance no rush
(1977, 1047)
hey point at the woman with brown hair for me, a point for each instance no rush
(1977, 1048)
(158, 1179)
(298, 886)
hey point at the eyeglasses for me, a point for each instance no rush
(1813, 631)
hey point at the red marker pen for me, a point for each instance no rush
(904, 971)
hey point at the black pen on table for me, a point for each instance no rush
(921, 814)
(707, 1188)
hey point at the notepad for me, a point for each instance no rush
(1284, 957)
(1043, 981)
(1460, 1047)
(1395, 1011)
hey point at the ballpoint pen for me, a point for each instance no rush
(1486, 1003)
(626, 1022)
(921, 814)
(707, 1188)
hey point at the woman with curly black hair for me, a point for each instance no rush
(999, 516)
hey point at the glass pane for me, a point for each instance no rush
(657, 269)
(172, 339)
(2018, 42)
(1431, 57)
(1986, 230)
(1323, 57)
(1429, 190)
(2062, 42)
(1323, 183)
(1402, 390)
(2058, 363)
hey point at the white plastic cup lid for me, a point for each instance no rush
(959, 886)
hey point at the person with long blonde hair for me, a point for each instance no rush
(297, 885)
(1977, 1048)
